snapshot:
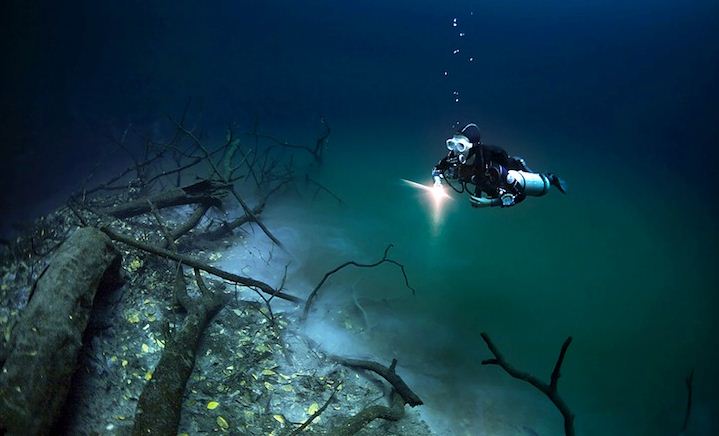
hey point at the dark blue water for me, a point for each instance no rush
(619, 98)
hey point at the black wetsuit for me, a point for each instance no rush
(485, 167)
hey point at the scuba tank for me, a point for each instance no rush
(511, 184)
(534, 184)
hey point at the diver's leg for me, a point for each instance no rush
(557, 182)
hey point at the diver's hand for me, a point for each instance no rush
(437, 181)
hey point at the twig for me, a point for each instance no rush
(316, 152)
(550, 390)
(317, 413)
(217, 172)
(327, 275)
(689, 381)
(321, 187)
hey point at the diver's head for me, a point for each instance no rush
(471, 132)
(460, 145)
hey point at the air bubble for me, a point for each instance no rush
(456, 50)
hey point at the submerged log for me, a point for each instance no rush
(45, 343)
(159, 407)
(206, 192)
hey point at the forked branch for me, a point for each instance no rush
(550, 390)
(385, 259)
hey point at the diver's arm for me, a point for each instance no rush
(478, 201)
(439, 169)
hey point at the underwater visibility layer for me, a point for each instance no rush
(624, 276)
(464, 266)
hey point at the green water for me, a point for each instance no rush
(619, 264)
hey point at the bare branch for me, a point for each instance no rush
(217, 172)
(169, 242)
(319, 411)
(192, 262)
(688, 381)
(327, 275)
(550, 390)
(387, 373)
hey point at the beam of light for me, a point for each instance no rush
(437, 194)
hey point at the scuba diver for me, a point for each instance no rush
(498, 178)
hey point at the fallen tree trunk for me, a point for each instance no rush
(159, 407)
(45, 342)
(206, 192)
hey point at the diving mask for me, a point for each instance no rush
(459, 143)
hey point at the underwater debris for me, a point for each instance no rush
(172, 361)
(43, 349)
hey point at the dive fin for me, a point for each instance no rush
(557, 182)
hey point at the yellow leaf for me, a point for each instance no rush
(133, 318)
(314, 407)
(268, 372)
(222, 422)
(287, 388)
(145, 348)
(148, 375)
(212, 405)
(134, 265)
(124, 363)
(269, 386)
(279, 418)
